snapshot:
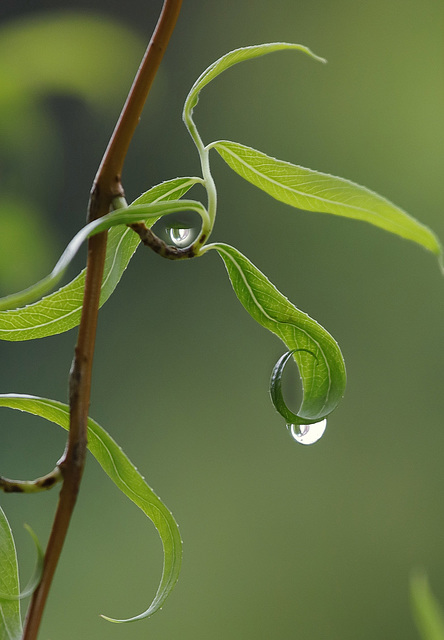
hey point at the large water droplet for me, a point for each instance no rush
(308, 433)
(180, 237)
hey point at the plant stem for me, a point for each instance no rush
(44, 483)
(107, 185)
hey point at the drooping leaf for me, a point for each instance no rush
(230, 59)
(317, 354)
(427, 611)
(314, 191)
(60, 311)
(126, 477)
(10, 621)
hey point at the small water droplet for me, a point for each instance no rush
(308, 433)
(180, 237)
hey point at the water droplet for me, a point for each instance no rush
(180, 237)
(308, 433)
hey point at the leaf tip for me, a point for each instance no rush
(110, 619)
(316, 57)
(125, 620)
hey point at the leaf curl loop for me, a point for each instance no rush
(277, 397)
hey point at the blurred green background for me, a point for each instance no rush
(281, 541)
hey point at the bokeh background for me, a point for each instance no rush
(281, 541)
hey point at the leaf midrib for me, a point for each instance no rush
(309, 195)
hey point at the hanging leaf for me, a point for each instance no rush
(10, 621)
(126, 477)
(314, 191)
(316, 353)
(60, 311)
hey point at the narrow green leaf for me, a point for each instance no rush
(126, 477)
(60, 311)
(232, 58)
(427, 611)
(314, 191)
(317, 354)
(10, 621)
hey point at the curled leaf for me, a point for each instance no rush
(126, 477)
(316, 353)
(60, 311)
(229, 60)
(315, 191)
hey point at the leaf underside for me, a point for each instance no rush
(126, 477)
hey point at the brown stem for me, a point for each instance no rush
(107, 185)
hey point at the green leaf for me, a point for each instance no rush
(61, 310)
(427, 611)
(126, 477)
(317, 354)
(10, 621)
(232, 58)
(314, 191)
